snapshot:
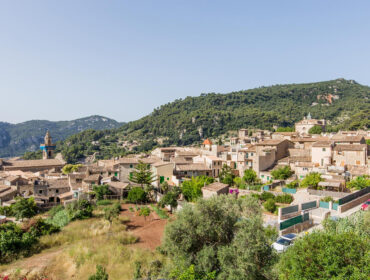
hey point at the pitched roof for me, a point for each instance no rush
(345, 147)
(322, 144)
(118, 185)
(347, 138)
(92, 178)
(34, 163)
(216, 186)
(192, 167)
(57, 183)
(128, 160)
(271, 142)
(161, 163)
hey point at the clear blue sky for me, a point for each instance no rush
(61, 60)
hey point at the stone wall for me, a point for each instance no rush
(297, 228)
(327, 193)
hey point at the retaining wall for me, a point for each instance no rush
(353, 203)
(327, 193)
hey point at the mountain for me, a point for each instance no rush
(344, 103)
(209, 115)
(16, 139)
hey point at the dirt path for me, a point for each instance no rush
(149, 230)
(34, 265)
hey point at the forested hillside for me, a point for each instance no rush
(344, 103)
(264, 107)
(15, 139)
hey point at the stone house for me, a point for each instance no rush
(321, 153)
(162, 172)
(215, 189)
(350, 155)
(303, 126)
(127, 166)
(212, 162)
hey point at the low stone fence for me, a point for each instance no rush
(327, 193)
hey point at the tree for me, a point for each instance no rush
(144, 211)
(285, 129)
(136, 195)
(142, 175)
(170, 199)
(250, 176)
(317, 129)
(24, 208)
(270, 205)
(100, 274)
(69, 168)
(221, 235)
(111, 213)
(293, 185)
(101, 191)
(311, 180)
(192, 189)
(239, 183)
(359, 183)
(78, 210)
(282, 173)
(226, 175)
(323, 255)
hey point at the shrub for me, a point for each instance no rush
(60, 219)
(282, 173)
(103, 202)
(24, 208)
(293, 185)
(101, 191)
(41, 227)
(327, 199)
(270, 205)
(100, 274)
(81, 209)
(284, 198)
(136, 195)
(256, 195)
(266, 195)
(52, 212)
(160, 212)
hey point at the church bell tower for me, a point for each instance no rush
(48, 147)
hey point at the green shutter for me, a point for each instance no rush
(161, 179)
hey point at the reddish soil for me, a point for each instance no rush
(149, 230)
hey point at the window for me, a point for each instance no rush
(268, 178)
(262, 176)
(323, 149)
(116, 174)
(40, 191)
(131, 166)
(251, 154)
(56, 191)
(130, 175)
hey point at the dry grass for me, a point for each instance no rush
(84, 244)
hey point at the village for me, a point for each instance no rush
(300, 177)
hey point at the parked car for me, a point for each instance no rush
(366, 205)
(283, 242)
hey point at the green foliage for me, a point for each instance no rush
(160, 212)
(226, 175)
(144, 211)
(100, 274)
(221, 235)
(170, 199)
(359, 183)
(6, 211)
(69, 168)
(54, 210)
(368, 141)
(137, 195)
(24, 208)
(239, 183)
(78, 210)
(317, 129)
(311, 180)
(15, 242)
(250, 176)
(60, 219)
(112, 212)
(293, 185)
(327, 199)
(267, 195)
(282, 173)
(284, 198)
(190, 274)
(104, 202)
(322, 255)
(285, 129)
(142, 174)
(192, 189)
(42, 227)
(32, 155)
(100, 191)
(270, 205)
